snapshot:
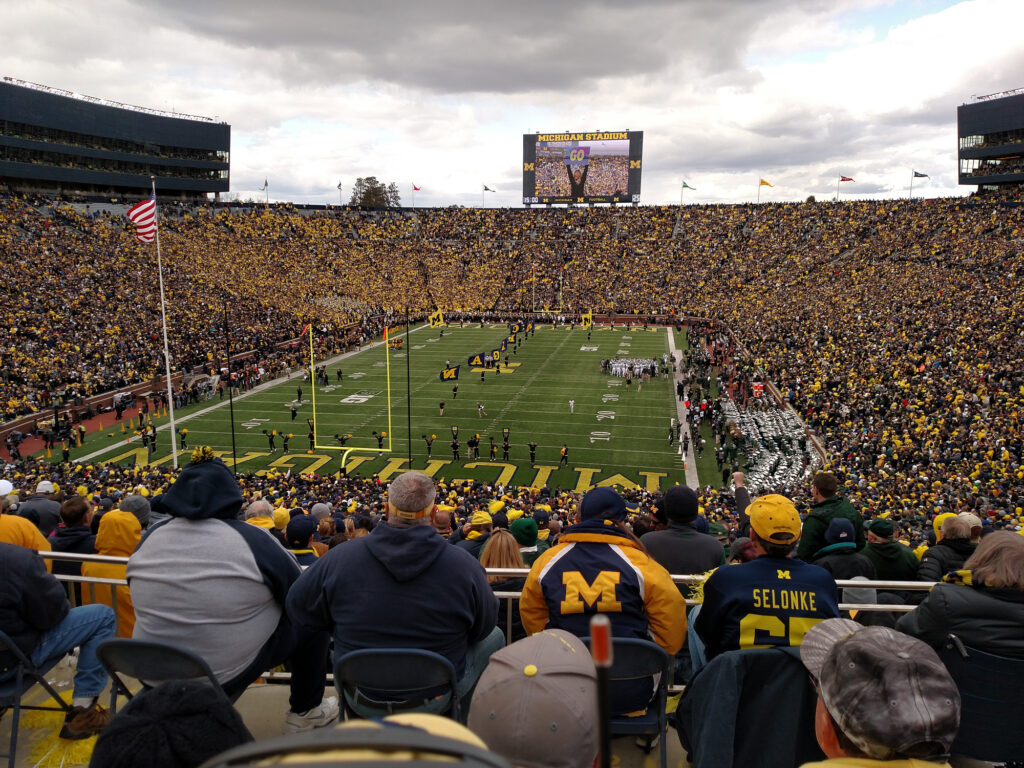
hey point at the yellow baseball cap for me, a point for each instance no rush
(775, 519)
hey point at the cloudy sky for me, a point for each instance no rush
(439, 93)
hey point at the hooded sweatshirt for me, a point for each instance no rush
(205, 580)
(893, 561)
(398, 587)
(118, 536)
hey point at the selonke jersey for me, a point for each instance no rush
(765, 603)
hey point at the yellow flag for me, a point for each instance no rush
(436, 319)
(766, 184)
(587, 320)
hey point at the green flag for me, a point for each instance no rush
(687, 186)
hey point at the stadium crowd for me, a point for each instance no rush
(892, 327)
(290, 616)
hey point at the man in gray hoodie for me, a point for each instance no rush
(206, 581)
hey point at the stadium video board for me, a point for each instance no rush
(584, 168)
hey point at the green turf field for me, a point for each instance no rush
(615, 436)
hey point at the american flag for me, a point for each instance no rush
(143, 216)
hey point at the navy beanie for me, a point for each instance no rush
(203, 490)
(840, 531)
(179, 724)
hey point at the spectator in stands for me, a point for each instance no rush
(299, 537)
(680, 548)
(473, 536)
(827, 505)
(536, 703)
(524, 529)
(138, 505)
(839, 556)
(261, 514)
(502, 551)
(230, 607)
(73, 535)
(893, 561)
(41, 508)
(34, 613)
(949, 552)
(442, 520)
(598, 566)
(19, 531)
(974, 523)
(982, 604)
(773, 600)
(883, 698)
(118, 536)
(403, 586)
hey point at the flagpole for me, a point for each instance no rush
(408, 390)
(231, 397)
(482, 190)
(758, 190)
(163, 312)
(911, 184)
(681, 188)
(837, 188)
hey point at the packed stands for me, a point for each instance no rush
(892, 327)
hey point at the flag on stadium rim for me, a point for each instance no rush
(687, 186)
(919, 175)
(845, 178)
(765, 184)
(415, 188)
(487, 189)
(143, 216)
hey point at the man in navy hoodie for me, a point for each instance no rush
(403, 586)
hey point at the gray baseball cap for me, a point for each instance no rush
(889, 693)
(536, 702)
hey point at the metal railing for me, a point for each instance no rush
(509, 598)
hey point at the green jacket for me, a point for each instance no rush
(893, 561)
(812, 537)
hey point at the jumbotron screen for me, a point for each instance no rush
(582, 167)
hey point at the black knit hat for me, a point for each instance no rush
(179, 724)
(681, 504)
(205, 489)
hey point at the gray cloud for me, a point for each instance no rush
(451, 46)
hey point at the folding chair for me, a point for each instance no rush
(636, 659)
(991, 705)
(733, 691)
(376, 682)
(16, 681)
(151, 664)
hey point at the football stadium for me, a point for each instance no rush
(587, 479)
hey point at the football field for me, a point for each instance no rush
(614, 435)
